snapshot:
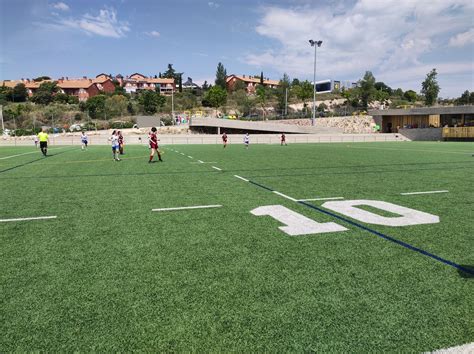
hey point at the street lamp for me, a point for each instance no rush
(314, 44)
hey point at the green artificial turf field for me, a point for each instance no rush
(110, 274)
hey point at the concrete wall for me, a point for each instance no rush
(348, 124)
(264, 126)
(419, 134)
(142, 139)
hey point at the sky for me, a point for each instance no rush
(400, 41)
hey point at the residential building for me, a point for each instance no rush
(190, 85)
(137, 82)
(250, 82)
(328, 85)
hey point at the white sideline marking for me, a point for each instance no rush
(460, 349)
(311, 199)
(190, 157)
(285, 196)
(26, 219)
(216, 168)
(200, 161)
(181, 153)
(243, 179)
(190, 207)
(26, 153)
(428, 192)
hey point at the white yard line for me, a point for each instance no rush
(243, 179)
(190, 157)
(428, 192)
(460, 349)
(285, 196)
(216, 168)
(189, 207)
(200, 161)
(311, 199)
(27, 219)
(26, 153)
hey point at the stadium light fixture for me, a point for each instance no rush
(314, 44)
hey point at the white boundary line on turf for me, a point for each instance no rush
(27, 219)
(428, 192)
(460, 349)
(311, 199)
(26, 153)
(216, 168)
(189, 207)
(243, 179)
(200, 161)
(190, 157)
(285, 196)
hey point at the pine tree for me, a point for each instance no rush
(221, 75)
(430, 88)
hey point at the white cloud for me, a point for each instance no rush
(462, 39)
(60, 6)
(153, 34)
(213, 5)
(105, 24)
(382, 36)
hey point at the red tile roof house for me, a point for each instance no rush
(85, 88)
(250, 82)
(81, 88)
(137, 82)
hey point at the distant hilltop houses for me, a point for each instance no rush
(85, 88)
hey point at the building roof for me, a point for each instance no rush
(423, 111)
(73, 84)
(252, 79)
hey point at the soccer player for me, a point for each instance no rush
(43, 139)
(283, 139)
(84, 141)
(153, 140)
(224, 139)
(36, 141)
(120, 141)
(115, 146)
(246, 140)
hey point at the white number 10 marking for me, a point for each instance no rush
(296, 224)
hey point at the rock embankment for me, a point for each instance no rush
(350, 124)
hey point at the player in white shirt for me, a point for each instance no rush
(114, 139)
(84, 140)
(246, 140)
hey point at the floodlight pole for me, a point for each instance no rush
(286, 101)
(172, 106)
(1, 118)
(314, 44)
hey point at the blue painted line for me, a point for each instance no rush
(379, 234)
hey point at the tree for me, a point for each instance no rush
(205, 86)
(116, 105)
(6, 94)
(367, 89)
(262, 95)
(96, 106)
(398, 92)
(303, 91)
(45, 92)
(410, 96)
(466, 98)
(381, 86)
(282, 91)
(61, 98)
(430, 88)
(243, 102)
(41, 78)
(221, 76)
(295, 82)
(170, 73)
(180, 81)
(151, 101)
(261, 78)
(216, 96)
(19, 93)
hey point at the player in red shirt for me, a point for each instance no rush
(283, 139)
(120, 141)
(153, 141)
(224, 139)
